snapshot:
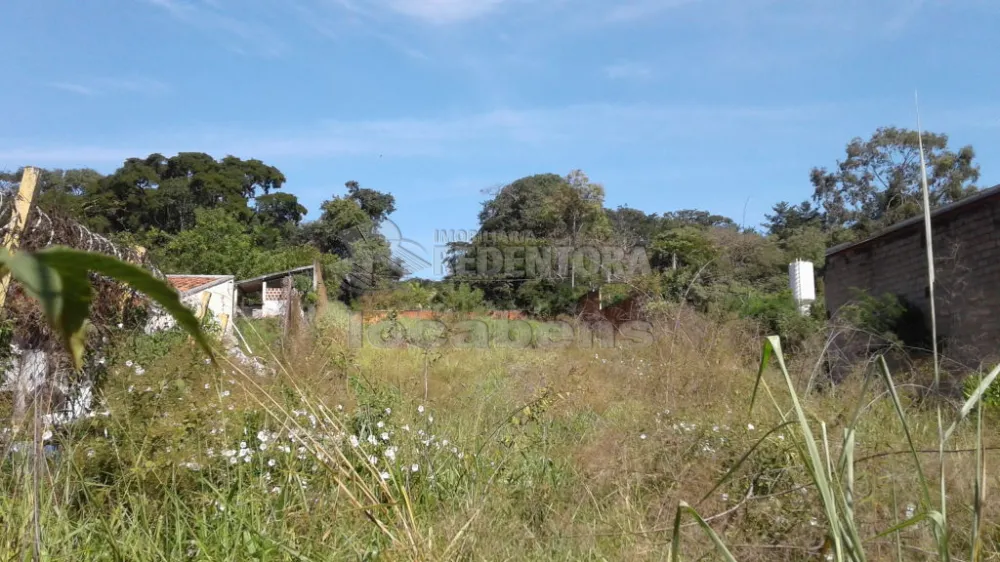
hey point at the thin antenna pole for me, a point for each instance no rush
(930, 247)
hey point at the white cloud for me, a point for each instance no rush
(239, 35)
(639, 9)
(105, 86)
(447, 137)
(74, 88)
(628, 70)
(443, 12)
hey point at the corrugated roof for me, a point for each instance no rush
(255, 284)
(952, 207)
(186, 284)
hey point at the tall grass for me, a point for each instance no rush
(514, 454)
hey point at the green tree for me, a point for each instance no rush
(878, 183)
(218, 244)
(164, 193)
(695, 217)
(377, 205)
(581, 206)
(59, 191)
(342, 223)
(279, 210)
(687, 246)
(527, 205)
(787, 219)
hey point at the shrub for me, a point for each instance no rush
(888, 317)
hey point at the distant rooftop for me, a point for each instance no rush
(256, 283)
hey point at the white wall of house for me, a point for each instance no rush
(221, 302)
(273, 300)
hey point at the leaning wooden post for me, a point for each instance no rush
(18, 221)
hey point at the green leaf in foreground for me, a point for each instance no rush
(58, 278)
(675, 546)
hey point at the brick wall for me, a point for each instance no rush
(967, 264)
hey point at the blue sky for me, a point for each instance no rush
(722, 105)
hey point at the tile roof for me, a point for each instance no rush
(185, 283)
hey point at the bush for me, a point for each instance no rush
(778, 314)
(888, 317)
(991, 399)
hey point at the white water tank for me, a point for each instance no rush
(803, 283)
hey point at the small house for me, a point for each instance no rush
(204, 293)
(267, 295)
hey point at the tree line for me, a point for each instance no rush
(198, 214)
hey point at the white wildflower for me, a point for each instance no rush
(414, 468)
(129, 363)
(385, 436)
(642, 436)
(750, 426)
(384, 475)
(420, 409)
(354, 441)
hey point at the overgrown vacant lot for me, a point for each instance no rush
(333, 452)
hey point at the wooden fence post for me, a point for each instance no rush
(18, 221)
(320, 287)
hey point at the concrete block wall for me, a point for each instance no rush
(966, 241)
